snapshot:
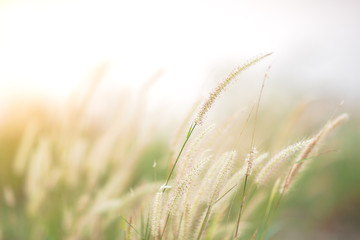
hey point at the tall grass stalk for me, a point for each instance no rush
(305, 154)
(210, 101)
(269, 208)
(191, 129)
(251, 155)
(75, 181)
(203, 110)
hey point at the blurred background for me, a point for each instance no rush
(95, 61)
(49, 47)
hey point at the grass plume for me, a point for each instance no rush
(215, 93)
(70, 180)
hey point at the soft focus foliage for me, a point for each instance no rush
(65, 176)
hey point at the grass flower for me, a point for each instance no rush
(156, 214)
(274, 162)
(102, 182)
(249, 160)
(184, 183)
(309, 149)
(215, 93)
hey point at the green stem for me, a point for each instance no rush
(241, 207)
(271, 208)
(179, 228)
(228, 191)
(131, 226)
(192, 127)
(166, 222)
(270, 216)
(147, 228)
(204, 222)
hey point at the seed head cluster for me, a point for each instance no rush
(249, 160)
(308, 150)
(215, 93)
(275, 161)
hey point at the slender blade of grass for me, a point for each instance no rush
(241, 207)
(130, 225)
(192, 127)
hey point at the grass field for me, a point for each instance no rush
(255, 174)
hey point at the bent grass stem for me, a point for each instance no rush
(192, 127)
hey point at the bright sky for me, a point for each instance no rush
(48, 48)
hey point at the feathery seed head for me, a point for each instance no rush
(198, 139)
(249, 160)
(187, 159)
(184, 183)
(259, 159)
(234, 180)
(156, 214)
(215, 93)
(277, 159)
(310, 148)
(335, 123)
(222, 175)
